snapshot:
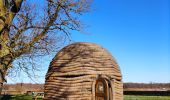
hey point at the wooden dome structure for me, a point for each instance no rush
(83, 71)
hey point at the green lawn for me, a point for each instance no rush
(16, 97)
(133, 97)
(126, 97)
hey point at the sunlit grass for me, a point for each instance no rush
(134, 97)
(126, 97)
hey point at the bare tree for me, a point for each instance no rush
(31, 28)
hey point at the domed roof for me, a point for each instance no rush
(83, 59)
(74, 70)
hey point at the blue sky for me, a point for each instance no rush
(137, 34)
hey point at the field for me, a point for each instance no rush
(133, 97)
(126, 97)
(16, 97)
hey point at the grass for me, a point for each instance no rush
(126, 97)
(134, 97)
(16, 97)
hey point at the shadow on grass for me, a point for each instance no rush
(15, 97)
(6, 97)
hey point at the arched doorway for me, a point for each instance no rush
(103, 90)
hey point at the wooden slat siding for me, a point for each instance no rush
(74, 69)
(118, 90)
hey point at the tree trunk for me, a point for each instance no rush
(5, 64)
(8, 9)
(2, 80)
(1, 85)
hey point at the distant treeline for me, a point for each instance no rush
(161, 86)
(24, 87)
(147, 89)
(126, 86)
(162, 89)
